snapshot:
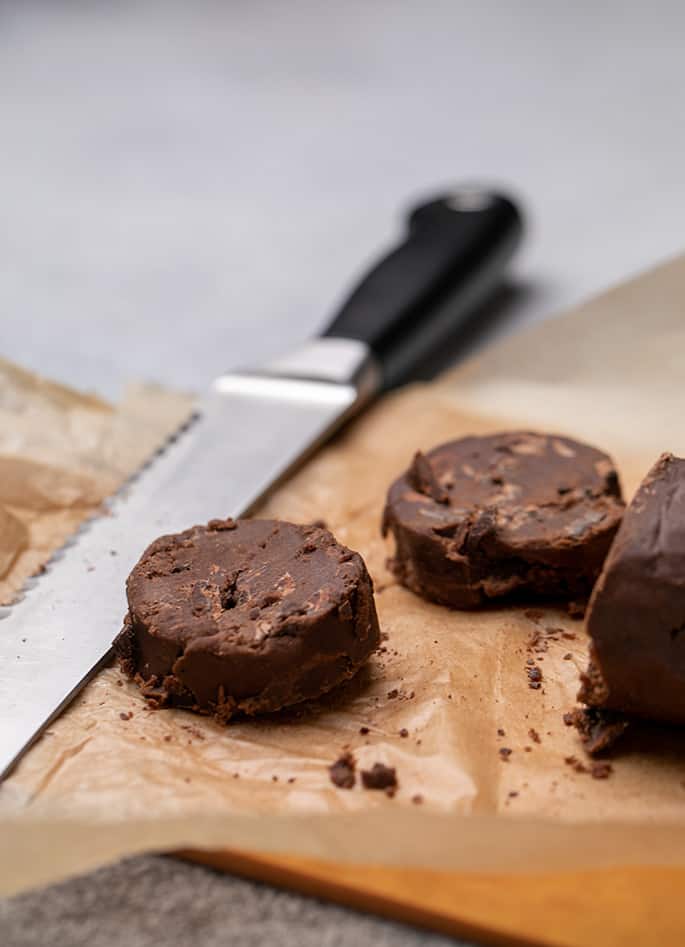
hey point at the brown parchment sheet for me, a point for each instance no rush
(98, 786)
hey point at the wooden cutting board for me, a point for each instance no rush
(626, 907)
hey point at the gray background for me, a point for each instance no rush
(185, 186)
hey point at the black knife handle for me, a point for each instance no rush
(429, 287)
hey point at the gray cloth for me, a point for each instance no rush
(153, 901)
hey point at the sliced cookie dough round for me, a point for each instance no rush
(636, 616)
(482, 518)
(246, 616)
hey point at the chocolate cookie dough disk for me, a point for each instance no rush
(247, 616)
(486, 517)
(636, 617)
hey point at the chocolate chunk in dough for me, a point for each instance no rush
(636, 616)
(246, 616)
(486, 517)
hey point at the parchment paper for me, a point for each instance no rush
(98, 786)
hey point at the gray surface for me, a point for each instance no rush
(185, 186)
(148, 902)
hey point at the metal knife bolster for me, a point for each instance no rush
(323, 369)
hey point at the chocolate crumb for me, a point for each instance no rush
(404, 732)
(601, 770)
(319, 524)
(575, 764)
(505, 753)
(500, 732)
(126, 716)
(363, 731)
(275, 778)
(167, 738)
(291, 779)
(569, 718)
(342, 772)
(391, 695)
(528, 749)
(599, 729)
(576, 610)
(513, 794)
(568, 656)
(534, 673)
(379, 777)
(534, 735)
(417, 799)
(120, 683)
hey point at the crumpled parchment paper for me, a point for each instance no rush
(448, 689)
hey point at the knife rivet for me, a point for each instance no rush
(469, 200)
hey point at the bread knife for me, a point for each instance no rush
(250, 430)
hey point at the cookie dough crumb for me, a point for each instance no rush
(576, 610)
(343, 771)
(601, 770)
(575, 764)
(599, 729)
(380, 777)
(417, 799)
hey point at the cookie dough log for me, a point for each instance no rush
(636, 617)
(481, 518)
(246, 616)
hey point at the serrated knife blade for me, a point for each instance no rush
(247, 434)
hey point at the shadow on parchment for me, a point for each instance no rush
(486, 323)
